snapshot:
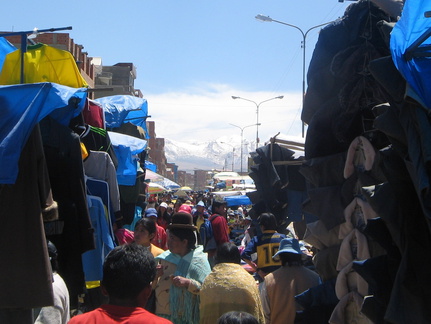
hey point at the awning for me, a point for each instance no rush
(237, 200)
(410, 48)
(155, 188)
(121, 109)
(153, 176)
(23, 106)
(126, 149)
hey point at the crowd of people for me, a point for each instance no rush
(164, 272)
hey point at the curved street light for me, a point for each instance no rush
(233, 153)
(242, 132)
(257, 113)
(304, 38)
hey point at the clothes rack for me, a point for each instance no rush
(292, 145)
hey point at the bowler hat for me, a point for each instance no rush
(182, 220)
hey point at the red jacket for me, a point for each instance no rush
(220, 230)
(160, 239)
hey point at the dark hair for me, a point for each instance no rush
(290, 258)
(53, 255)
(148, 223)
(228, 253)
(179, 201)
(185, 234)
(127, 270)
(268, 221)
(217, 204)
(237, 318)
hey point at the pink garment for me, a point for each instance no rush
(185, 208)
(124, 236)
(161, 239)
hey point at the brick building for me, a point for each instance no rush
(156, 151)
(117, 80)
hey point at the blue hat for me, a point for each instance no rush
(201, 203)
(151, 212)
(289, 245)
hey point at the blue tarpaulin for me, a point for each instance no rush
(126, 149)
(151, 166)
(410, 48)
(121, 109)
(22, 107)
(237, 200)
(5, 49)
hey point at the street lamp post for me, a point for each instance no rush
(233, 154)
(242, 133)
(304, 38)
(257, 113)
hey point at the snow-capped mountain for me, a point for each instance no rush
(215, 154)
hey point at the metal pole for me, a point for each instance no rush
(242, 133)
(233, 152)
(257, 113)
(304, 37)
(303, 78)
(257, 125)
(233, 158)
(24, 36)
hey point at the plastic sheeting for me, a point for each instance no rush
(237, 200)
(151, 166)
(126, 149)
(5, 48)
(121, 109)
(22, 107)
(42, 63)
(417, 68)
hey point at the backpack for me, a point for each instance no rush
(207, 236)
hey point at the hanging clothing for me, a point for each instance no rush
(100, 189)
(26, 280)
(42, 63)
(63, 155)
(23, 106)
(99, 165)
(97, 139)
(93, 114)
(93, 260)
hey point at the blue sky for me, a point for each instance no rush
(192, 56)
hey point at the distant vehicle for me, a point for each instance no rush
(232, 181)
(245, 183)
(226, 175)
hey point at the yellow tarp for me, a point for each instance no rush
(43, 63)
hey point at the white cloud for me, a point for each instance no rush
(204, 114)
